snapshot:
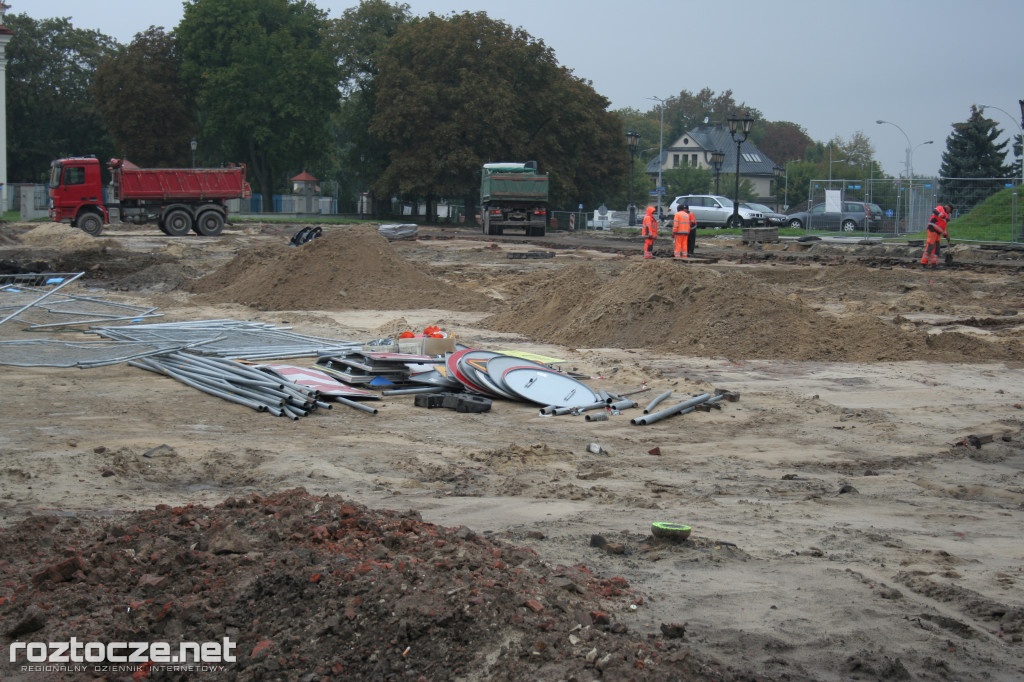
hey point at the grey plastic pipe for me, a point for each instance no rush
(687, 405)
(654, 403)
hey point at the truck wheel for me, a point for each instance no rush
(90, 223)
(209, 224)
(177, 223)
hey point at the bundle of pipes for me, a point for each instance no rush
(238, 383)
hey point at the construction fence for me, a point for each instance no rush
(991, 209)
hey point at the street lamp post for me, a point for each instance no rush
(193, 144)
(362, 192)
(915, 149)
(717, 158)
(910, 174)
(739, 128)
(633, 138)
(1020, 127)
(661, 151)
(830, 161)
(6, 35)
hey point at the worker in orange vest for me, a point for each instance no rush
(936, 231)
(649, 232)
(682, 222)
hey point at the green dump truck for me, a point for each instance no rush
(513, 195)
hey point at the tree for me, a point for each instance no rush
(266, 83)
(456, 92)
(797, 182)
(972, 164)
(727, 183)
(359, 37)
(127, 88)
(687, 180)
(50, 112)
(781, 141)
(688, 110)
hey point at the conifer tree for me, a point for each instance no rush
(973, 165)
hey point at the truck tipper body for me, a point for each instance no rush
(178, 200)
(513, 195)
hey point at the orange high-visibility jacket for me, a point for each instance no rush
(650, 226)
(938, 221)
(683, 222)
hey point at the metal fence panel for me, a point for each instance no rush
(991, 209)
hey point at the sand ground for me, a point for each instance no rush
(844, 527)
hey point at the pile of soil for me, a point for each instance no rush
(318, 588)
(668, 306)
(61, 236)
(349, 268)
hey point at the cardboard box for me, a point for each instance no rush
(424, 345)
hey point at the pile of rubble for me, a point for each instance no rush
(319, 588)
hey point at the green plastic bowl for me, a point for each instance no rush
(670, 531)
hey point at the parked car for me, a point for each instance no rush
(715, 211)
(856, 215)
(772, 218)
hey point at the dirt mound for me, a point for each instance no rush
(318, 588)
(351, 268)
(61, 236)
(671, 306)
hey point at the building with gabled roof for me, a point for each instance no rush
(694, 148)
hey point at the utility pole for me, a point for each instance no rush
(661, 153)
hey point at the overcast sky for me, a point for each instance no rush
(833, 67)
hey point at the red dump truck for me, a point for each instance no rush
(178, 200)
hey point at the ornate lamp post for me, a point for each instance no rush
(739, 128)
(633, 138)
(779, 173)
(717, 158)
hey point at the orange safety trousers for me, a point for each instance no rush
(931, 249)
(649, 246)
(682, 244)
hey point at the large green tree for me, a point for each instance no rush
(454, 93)
(781, 141)
(130, 86)
(973, 163)
(360, 35)
(50, 111)
(266, 83)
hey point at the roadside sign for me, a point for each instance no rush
(660, 189)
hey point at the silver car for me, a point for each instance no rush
(712, 210)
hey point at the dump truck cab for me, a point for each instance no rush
(76, 193)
